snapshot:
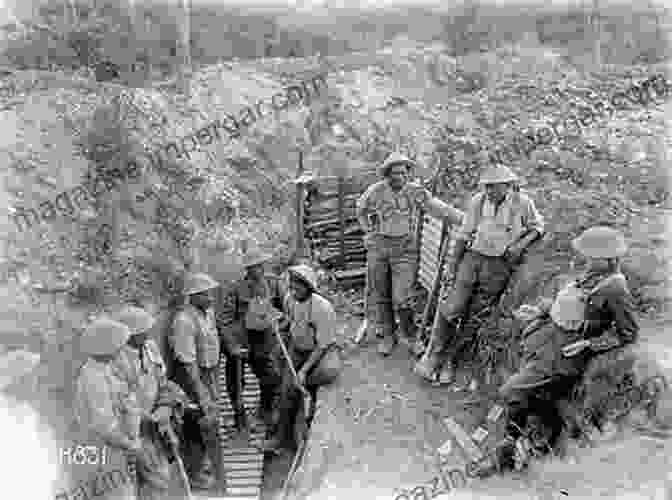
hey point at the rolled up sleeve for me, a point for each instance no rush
(324, 319)
(184, 339)
(362, 206)
(468, 228)
(533, 219)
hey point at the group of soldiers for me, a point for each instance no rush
(590, 315)
(160, 409)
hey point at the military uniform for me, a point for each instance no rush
(253, 316)
(598, 308)
(392, 249)
(484, 272)
(106, 405)
(312, 326)
(145, 371)
(195, 341)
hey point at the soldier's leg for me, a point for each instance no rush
(211, 465)
(447, 315)
(403, 264)
(263, 367)
(494, 276)
(379, 279)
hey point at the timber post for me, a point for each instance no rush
(341, 221)
(300, 190)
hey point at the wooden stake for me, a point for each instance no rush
(341, 218)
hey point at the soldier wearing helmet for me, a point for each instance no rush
(104, 403)
(195, 343)
(256, 298)
(388, 213)
(310, 322)
(161, 402)
(499, 225)
(591, 314)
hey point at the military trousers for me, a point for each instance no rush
(480, 280)
(391, 270)
(263, 365)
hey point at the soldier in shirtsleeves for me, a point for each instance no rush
(107, 407)
(310, 322)
(388, 212)
(256, 297)
(196, 347)
(159, 400)
(499, 225)
(590, 315)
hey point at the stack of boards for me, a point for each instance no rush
(331, 226)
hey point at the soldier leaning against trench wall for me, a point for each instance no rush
(157, 159)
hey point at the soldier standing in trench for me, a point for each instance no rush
(388, 212)
(158, 399)
(255, 297)
(196, 347)
(104, 403)
(499, 225)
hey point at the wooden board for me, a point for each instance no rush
(429, 250)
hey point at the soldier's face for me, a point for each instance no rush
(398, 176)
(497, 192)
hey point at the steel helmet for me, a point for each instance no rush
(16, 364)
(198, 282)
(306, 274)
(136, 319)
(601, 242)
(498, 174)
(104, 336)
(395, 159)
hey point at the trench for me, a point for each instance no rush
(250, 474)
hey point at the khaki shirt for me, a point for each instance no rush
(312, 323)
(104, 402)
(195, 338)
(491, 232)
(392, 213)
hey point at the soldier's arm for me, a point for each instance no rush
(442, 210)
(324, 320)
(618, 301)
(465, 234)
(362, 209)
(534, 224)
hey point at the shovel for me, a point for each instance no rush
(306, 395)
